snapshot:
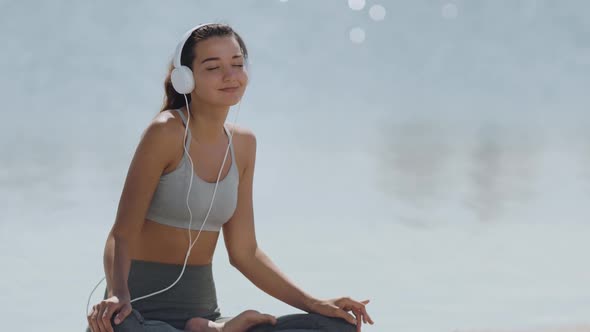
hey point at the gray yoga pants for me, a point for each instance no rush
(194, 295)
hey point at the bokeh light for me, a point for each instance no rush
(450, 11)
(356, 4)
(377, 13)
(357, 35)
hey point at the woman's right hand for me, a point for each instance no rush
(99, 319)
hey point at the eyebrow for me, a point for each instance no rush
(212, 59)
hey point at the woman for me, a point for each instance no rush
(146, 249)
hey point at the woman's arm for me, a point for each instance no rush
(151, 157)
(248, 258)
(116, 266)
(263, 273)
(240, 239)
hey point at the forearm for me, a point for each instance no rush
(263, 273)
(116, 264)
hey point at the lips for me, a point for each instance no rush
(230, 89)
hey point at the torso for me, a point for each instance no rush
(166, 244)
(162, 243)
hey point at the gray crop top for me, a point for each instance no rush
(168, 205)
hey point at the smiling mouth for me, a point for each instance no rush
(229, 89)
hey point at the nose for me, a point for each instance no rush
(231, 73)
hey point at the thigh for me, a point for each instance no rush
(306, 322)
(136, 323)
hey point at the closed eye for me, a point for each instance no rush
(218, 67)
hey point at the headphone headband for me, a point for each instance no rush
(178, 51)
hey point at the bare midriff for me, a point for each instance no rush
(167, 244)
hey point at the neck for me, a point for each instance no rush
(206, 121)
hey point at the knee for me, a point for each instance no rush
(333, 324)
(131, 323)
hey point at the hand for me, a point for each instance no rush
(340, 307)
(99, 319)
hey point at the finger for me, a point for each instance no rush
(357, 307)
(345, 315)
(358, 321)
(358, 312)
(366, 316)
(92, 320)
(98, 319)
(361, 306)
(270, 318)
(353, 304)
(100, 322)
(123, 313)
(106, 318)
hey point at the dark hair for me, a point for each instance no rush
(174, 100)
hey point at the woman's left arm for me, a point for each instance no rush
(245, 255)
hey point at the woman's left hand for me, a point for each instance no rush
(340, 307)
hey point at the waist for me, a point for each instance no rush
(194, 295)
(167, 244)
(196, 287)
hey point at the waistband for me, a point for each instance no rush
(194, 295)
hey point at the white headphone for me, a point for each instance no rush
(184, 83)
(182, 76)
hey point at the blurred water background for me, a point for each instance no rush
(432, 156)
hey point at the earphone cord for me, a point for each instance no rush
(188, 206)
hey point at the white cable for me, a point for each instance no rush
(188, 206)
(89, 296)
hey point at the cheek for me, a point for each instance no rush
(205, 82)
(244, 78)
(204, 78)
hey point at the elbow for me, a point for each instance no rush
(235, 262)
(240, 260)
(117, 244)
(232, 262)
(114, 241)
(122, 233)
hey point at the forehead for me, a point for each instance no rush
(221, 47)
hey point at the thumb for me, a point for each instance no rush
(348, 317)
(270, 319)
(125, 311)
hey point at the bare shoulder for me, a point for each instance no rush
(152, 155)
(242, 133)
(168, 119)
(244, 141)
(165, 127)
(165, 130)
(242, 136)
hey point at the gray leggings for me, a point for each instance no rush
(288, 323)
(195, 296)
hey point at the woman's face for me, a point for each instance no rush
(219, 64)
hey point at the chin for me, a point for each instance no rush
(230, 101)
(233, 102)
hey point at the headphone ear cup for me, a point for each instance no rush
(182, 80)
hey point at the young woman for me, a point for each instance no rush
(146, 249)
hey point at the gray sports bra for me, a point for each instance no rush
(168, 205)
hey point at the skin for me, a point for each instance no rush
(159, 152)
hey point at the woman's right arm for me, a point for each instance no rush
(152, 156)
(116, 253)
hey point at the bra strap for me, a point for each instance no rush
(188, 136)
(231, 145)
